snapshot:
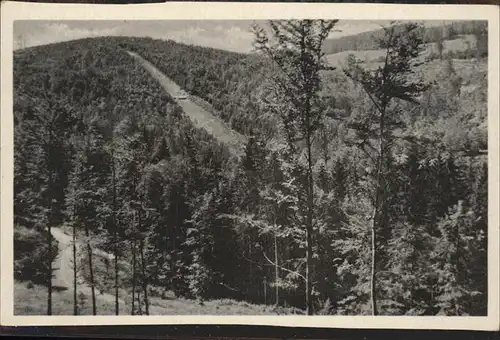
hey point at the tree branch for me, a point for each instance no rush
(283, 268)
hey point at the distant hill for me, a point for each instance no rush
(368, 40)
(462, 47)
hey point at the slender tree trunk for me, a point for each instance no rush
(276, 270)
(133, 277)
(374, 255)
(309, 225)
(49, 229)
(250, 268)
(75, 269)
(373, 283)
(117, 301)
(265, 291)
(173, 251)
(458, 277)
(308, 129)
(115, 238)
(91, 271)
(379, 184)
(165, 255)
(309, 265)
(139, 302)
(49, 298)
(144, 282)
(144, 278)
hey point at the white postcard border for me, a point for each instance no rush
(11, 11)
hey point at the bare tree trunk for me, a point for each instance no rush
(115, 238)
(173, 253)
(49, 298)
(309, 225)
(144, 278)
(308, 129)
(250, 267)
(49, 229)
(117, 303)
(139, 302)
(265, 291)
(308, 268)
(373, 283)
(75, 269)
(379, 186)
(457, 260)
(133, 277)
(276, 270)
(91, 271)
(165, 256)
(374, 224)
(374, 257)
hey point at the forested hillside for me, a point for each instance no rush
(101, 149)
(438, 34)
(100, 145)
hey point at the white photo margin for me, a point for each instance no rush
(11, 11)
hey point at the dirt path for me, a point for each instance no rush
(63, 268)
(198, 115)
(63, 284)
(63, 273)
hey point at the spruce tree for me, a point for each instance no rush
(296, 50)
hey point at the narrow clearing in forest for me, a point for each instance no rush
(200, 117)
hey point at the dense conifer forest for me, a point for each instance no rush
(362, 188)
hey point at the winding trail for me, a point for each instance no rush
(63, 268)
(200, 117)
(63, 274)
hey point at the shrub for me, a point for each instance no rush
(31, 255)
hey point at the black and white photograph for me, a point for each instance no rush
(255, 167)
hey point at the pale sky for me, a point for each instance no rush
(223, 34)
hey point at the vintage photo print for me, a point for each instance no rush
(263, 164)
